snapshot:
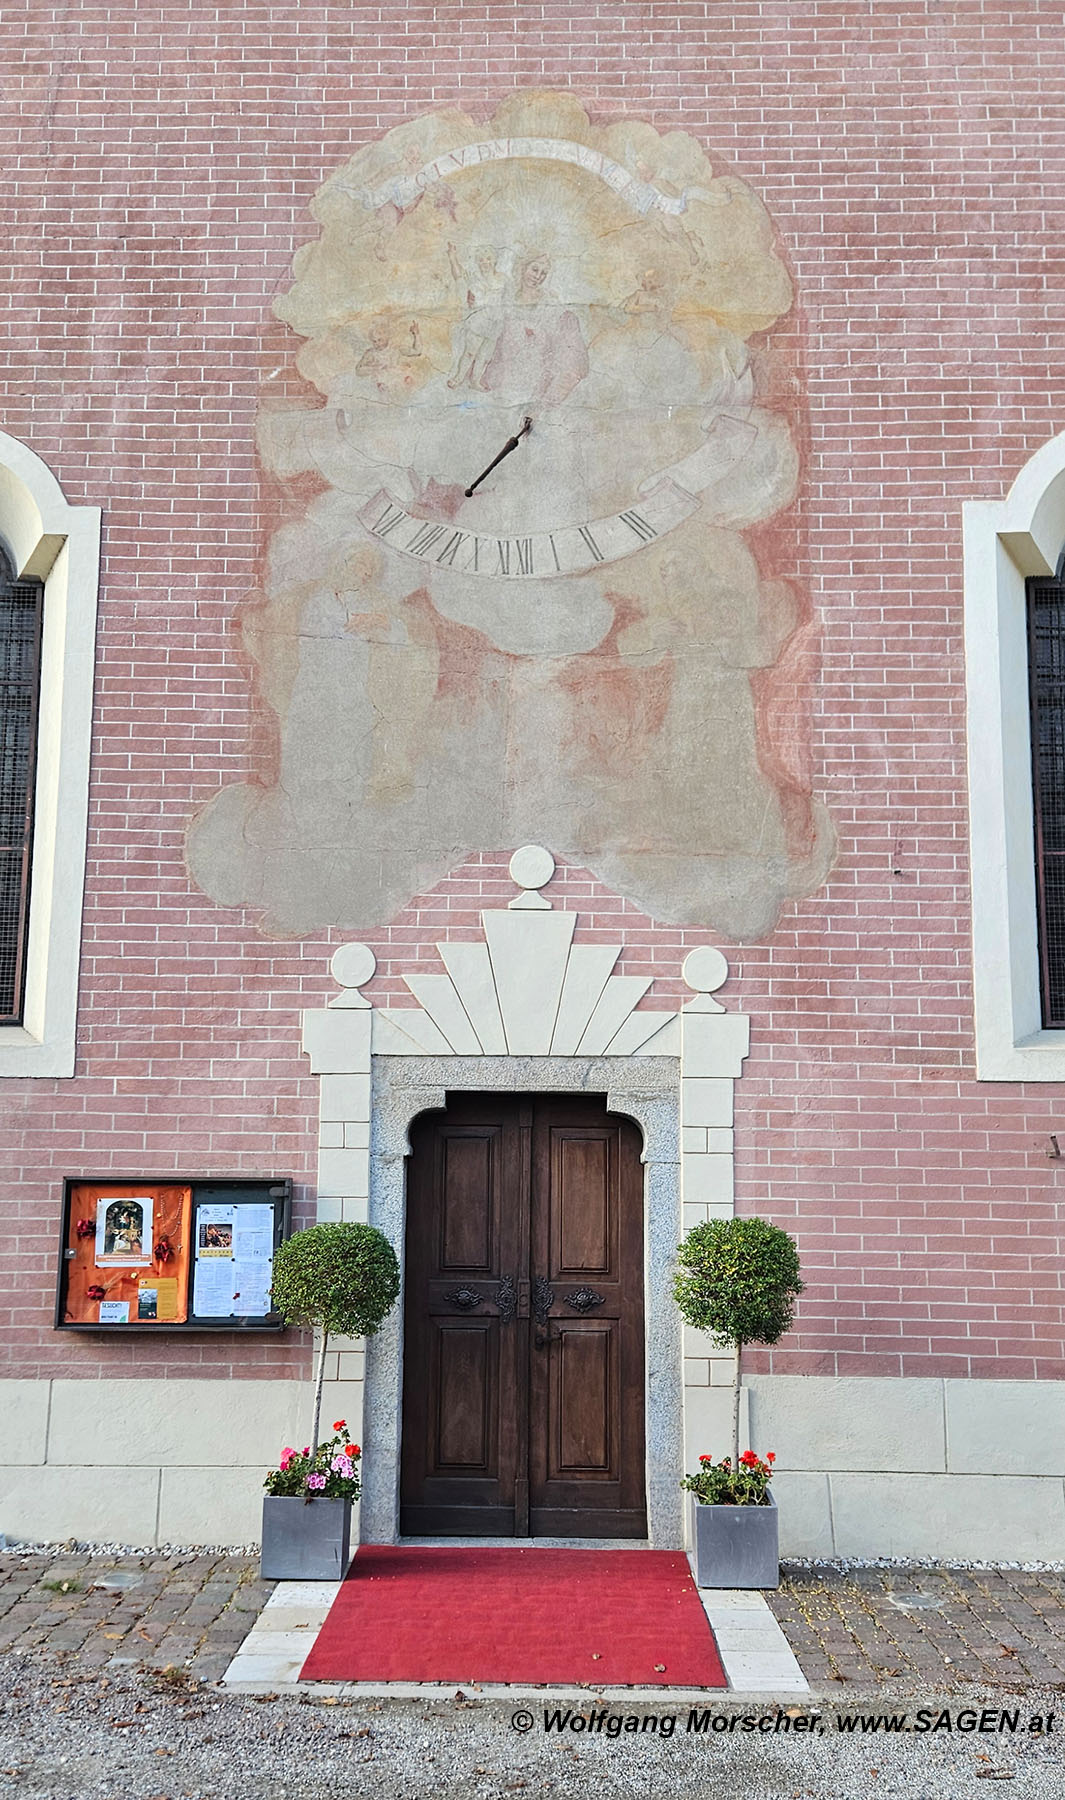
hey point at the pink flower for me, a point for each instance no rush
(306, 1450)
(316, 1482)
(341, 1465)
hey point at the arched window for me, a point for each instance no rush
(20, 680)
(1015, 678)
(49, 568)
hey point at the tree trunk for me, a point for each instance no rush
(736, 1411)
(318, 1391)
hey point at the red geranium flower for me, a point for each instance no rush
(770, 1456)
(354, 1451)
(339, 1424)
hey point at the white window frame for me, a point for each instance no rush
(57, 544)
(1006, 542)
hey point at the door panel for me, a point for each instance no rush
(467, 1398)
(582, 1175)
(581, 1401)
(467, 1194)
(586, 1462)
(460, 1466)
(523, 1347)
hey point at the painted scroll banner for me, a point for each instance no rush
(642, 196)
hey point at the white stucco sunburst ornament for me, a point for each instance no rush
(524, 989)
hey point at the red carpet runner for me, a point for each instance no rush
(610, 1618)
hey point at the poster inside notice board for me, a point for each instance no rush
(177, 1254)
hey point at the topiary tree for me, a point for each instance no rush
(339, 1279)
(738, 1279)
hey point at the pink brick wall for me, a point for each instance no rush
(160, 164)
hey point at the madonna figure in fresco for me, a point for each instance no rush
(539, 355)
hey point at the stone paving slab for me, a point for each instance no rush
(860, 1631)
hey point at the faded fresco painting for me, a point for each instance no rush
(579, 647)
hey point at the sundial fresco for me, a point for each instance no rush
(582, 650)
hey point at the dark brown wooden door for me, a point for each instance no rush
(523, 1337)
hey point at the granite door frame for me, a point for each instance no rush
(643, 1089)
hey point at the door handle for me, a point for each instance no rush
(543, 1299)
(507, 1299)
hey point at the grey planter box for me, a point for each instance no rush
(735, 1546)
(305, 1541)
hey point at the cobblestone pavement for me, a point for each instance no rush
(870, 1629)
(863, 1630)
(181, 1612)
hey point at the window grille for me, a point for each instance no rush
(20, 646)
(1046, 674)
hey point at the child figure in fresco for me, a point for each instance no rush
(650, 296)
(393, 360)
(483, 287)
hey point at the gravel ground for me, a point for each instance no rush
(152, 1736)
(839, 1565)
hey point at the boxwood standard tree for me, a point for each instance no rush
(738, 1279)
(340, 1279)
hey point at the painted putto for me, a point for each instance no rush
(585, 644)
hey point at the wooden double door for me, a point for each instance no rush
(523, 1374)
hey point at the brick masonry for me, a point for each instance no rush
(160, 172)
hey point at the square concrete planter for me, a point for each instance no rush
(735, 1546)
(305, 1540)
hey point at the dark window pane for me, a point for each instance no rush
(20, 632)
(1054, 939)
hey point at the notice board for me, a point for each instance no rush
(179, 1254)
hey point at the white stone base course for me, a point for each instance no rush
(180, 1461)
(867, 1467)
(918, 1467)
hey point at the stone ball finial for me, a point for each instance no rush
(705, 969)
(532, 866)
(352, 965)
